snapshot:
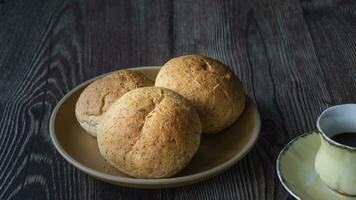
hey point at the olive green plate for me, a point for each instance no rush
(295, 168)
(216, 153)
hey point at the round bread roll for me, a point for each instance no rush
(211, 87)
(99, 95)
(150, 132)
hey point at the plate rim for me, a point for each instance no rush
(283, 151)
(166, 182)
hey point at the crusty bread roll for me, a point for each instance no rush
(212, 88)
(150, 132)
(99, 95)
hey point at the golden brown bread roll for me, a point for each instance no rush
(150, 132)
(99, 95)
(212, 88)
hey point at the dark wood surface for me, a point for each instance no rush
(294, 58)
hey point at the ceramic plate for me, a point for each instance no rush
(295, 167)
(215, 154)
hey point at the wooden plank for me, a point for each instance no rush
(292, 67)
(334, 34)
(24, 32)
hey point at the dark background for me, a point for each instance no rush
(295, 59)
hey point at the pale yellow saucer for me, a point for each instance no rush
(295, 168)
(216, 153)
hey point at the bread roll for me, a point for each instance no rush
(150, 132)
(211, 87)
(99, 95)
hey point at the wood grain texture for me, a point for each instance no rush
(294, 58)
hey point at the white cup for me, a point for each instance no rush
(336, 163)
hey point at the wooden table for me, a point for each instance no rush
(294, 58)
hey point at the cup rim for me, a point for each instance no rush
(327, 138)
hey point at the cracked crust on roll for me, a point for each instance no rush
(150, 132)
(99, 95)
(209, 85)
